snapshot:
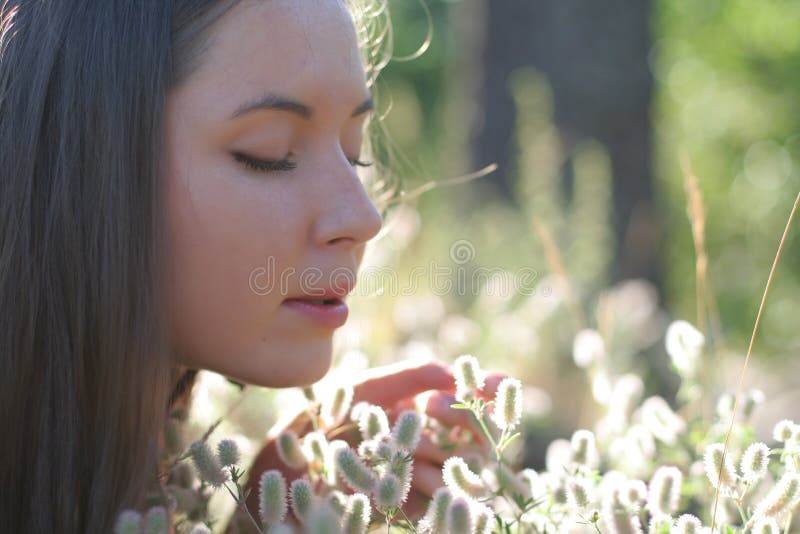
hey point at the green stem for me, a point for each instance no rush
(479, 417)
(242, 505)
(410, 524)
(741, 511)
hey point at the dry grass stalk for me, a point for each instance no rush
(750, 348)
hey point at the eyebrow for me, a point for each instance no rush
(279, 103)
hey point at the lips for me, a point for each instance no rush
(326, 295)
(327, 313)
(322, 306)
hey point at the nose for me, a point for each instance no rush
(347, 215)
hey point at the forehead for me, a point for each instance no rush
(303, 49)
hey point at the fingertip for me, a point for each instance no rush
(493, 379)
(439, 376)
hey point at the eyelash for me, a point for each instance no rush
(260, 165)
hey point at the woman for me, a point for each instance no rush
(155, 154)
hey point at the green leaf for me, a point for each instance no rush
(459, 406)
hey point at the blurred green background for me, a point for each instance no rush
(585, 107)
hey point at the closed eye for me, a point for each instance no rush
(358, 163)
(265, 165)
(269, 165)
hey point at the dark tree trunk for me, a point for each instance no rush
(595, 56)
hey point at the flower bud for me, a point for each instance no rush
(766, 525)
(754, 462)
(469, 377)
(633, 494)
(484, 520)
(228, 452)
(208, 468)
(385, 449)
(322, 520)
(784, 430)
(719, 473)
(684, 345)
(373, 423)
(617, 519)
(780, 499)
(314, 447)
(335, 408)
(356, 515)
(387, 493)
(437, 509)
(354, 472)
(407, 431)
(289, 451)
(688, 524)
(660, 523)
(665, 491)
(460, 479)
(459, 517)
(308, 393)
(508, 404)
(272, 506)
(577, 493)
(752, 400)
(584, 448)
(402, 466)
(302, 498)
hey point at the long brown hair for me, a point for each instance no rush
(85, 369)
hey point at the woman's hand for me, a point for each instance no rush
(428, 386)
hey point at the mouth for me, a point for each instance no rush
(329, 313)
(322, 302)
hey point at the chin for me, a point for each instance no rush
(290, 365)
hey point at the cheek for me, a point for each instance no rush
(220, 233)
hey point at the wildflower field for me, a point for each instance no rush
(635, 461)
(630, 405)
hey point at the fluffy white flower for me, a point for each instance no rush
(684, 345)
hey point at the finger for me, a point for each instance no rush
(387, 385)
(427, 478)
(402, 405)
(437, 405)
(493, 379)
(416, 504)
(428, 450)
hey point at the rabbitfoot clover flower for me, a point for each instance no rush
(469, 377)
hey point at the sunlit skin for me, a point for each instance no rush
(301, 60)
(226, 219)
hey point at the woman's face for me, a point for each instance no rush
(282, 82)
